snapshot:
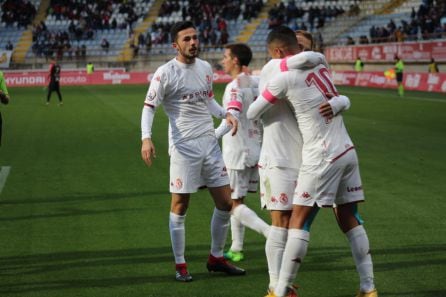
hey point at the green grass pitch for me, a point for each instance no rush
(81, 215)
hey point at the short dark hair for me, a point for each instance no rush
(179, 26)
(284, 35)
(307, 35)
(241, 51)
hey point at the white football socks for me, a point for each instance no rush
(177, 236)
(238, 234)
(274, 247)
(250, 219)
(295, 251)
(359, 244)
(219, 230)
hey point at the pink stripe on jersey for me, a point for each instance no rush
(336, 158)
(234, 104)
(269, 97)
(149, 105)
(283, 64)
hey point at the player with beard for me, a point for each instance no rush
(184, 87)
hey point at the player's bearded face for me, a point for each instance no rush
(187, 43)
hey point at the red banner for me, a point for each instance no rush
(412, 81)
(79, 77)
(385, 52)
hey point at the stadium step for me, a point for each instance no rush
(127, 52)
(250, 28)
(389, 7)
(26, 40)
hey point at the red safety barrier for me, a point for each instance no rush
(385, 52)
(80, 77)
(412, 80)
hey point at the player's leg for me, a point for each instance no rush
(399, 80)
(349, 194)
(219, 230)
(241, 213)
(277, 188)
(216, 178)
(296, 246)
(249, 182)
(235, 252)
(58, 92)
(184, 173)
(177, 217)
(48, 95)
(238, 192)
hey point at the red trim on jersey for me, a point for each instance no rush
(284, 65)
(234, 104)
(211, 94)
(269, 97)
(149, 105)
(349, 149)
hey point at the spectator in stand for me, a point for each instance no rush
(105, 44)
(433, 67)
(9, 46)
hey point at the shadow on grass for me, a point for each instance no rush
(82, 197)
(154, 265)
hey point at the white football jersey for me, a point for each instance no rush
(241, 150)
(281, 135)
(184, 90)
(306, 89)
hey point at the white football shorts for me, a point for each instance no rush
(327, 184)
(243, 181)
(197, 162)
(277, 185)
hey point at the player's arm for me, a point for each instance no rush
(4, 95)
(275, 90)
(235, 107)
(302, 60)
(154, 97)
(230, 116)
(334, 106)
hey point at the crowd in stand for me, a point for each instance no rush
(210, 18)
(85, 19)
(17, 12)
(424, 24)
(54, 44)
(314, 15)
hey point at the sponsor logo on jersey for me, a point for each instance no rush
(196, 96)
(273, 199)
(354, 189)
(224, 172)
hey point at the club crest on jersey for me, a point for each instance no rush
(305, 195)
(178, 183)
(152, 95)
(283, 198)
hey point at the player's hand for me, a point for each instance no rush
(4, 98)
(326, 111)
(232, 120)
(148, 151)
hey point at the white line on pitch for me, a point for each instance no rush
(4, 172)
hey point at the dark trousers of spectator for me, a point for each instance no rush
(53, 87)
